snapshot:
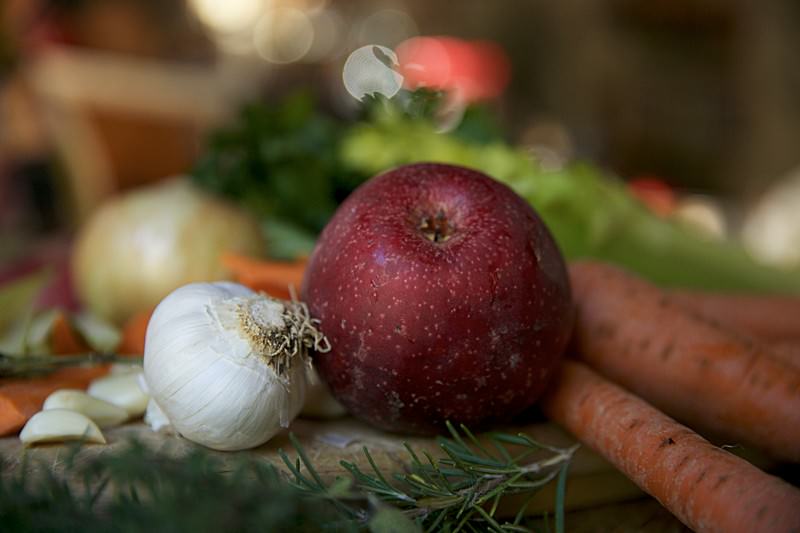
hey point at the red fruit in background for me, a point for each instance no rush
(444, 297)
(52, 254)
(655, 194)
(473, 70)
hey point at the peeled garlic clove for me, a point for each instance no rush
(123, 391)
(103, 413)
(156, 419)
(59, 425)
(100, 334)
(39, 331)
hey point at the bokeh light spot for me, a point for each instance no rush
(371, 70)
(283, 35)
(228, 16)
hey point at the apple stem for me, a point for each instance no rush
(436, 228)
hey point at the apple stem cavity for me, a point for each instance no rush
(437, 228)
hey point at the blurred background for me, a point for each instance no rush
(697, 98)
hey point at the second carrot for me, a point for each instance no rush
(693, 369)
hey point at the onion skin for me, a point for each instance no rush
(140, 246)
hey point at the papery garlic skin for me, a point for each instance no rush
(208, 365)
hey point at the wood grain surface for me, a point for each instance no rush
(592, 481)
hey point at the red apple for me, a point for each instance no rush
(443, 296)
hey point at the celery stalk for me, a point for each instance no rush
(590, 214)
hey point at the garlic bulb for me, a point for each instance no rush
(227, 365)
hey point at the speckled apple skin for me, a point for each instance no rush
(467, 330)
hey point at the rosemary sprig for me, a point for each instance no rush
(460, 492)
(139, 489)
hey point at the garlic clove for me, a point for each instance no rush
(156, 419)
(122, 390)
(103, 413)
(319, 402)
(100, 334)
(39, 330)
(59, 425)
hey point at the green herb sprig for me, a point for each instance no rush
(29, 365)
(140, 489)
(460, 492)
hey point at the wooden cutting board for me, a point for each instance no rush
(591, 482)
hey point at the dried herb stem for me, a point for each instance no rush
(31, 365)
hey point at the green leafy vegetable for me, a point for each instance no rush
(282, 162)
(590, 213)
(293, 165)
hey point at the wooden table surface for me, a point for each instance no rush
(598, 497)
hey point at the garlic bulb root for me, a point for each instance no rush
(227, 366)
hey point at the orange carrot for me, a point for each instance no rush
(688, 367)
(787, 351)
(64, 339)
(22, 398)
(133, 334)
(707, 488)
(772, 318)
(272, 277)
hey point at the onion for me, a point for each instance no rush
(140, 246)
